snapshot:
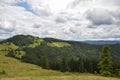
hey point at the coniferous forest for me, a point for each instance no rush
(65, 56)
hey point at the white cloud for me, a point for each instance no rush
(64, 19)
(100, 16)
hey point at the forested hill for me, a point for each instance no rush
(56, 47)
(32, 49)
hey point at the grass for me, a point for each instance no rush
(58, 44)
(15, 67)
(73, 77)
(17, 70)
(36, 43)
(19, 54)
(5, 46)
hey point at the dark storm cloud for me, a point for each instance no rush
(99, 17)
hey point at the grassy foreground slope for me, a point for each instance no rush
(14, 67)
(16, 70)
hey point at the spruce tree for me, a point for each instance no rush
(64, 65)
(45, 62)
(81, 65)
(105, 63)
(73, 65)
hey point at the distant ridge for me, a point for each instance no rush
(49, 39)
(1, 39)
(101, 42)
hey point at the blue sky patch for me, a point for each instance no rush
(26, 6)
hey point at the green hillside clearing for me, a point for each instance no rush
(58, 44)
(4, 47)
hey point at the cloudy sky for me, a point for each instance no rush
(63, 19)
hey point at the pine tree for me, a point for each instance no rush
(45, 62)
(72, 64)
(81, 65)
(64, 65)
(105, 63)
(90, 67)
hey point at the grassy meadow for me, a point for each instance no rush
(17, 70)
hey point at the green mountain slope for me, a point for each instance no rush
(32, 49)
(64, 48)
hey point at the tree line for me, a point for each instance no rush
(103, 65)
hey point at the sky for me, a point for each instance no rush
(63, 19)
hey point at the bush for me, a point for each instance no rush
(3, 72)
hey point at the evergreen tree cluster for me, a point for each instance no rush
(105, 64)
(81, 64)
(79, 57)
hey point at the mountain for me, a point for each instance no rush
(56, 47)
(36, 50)
(101, 42)
(1, 39)
(50, 46)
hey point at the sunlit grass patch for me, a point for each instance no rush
(58, 44)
